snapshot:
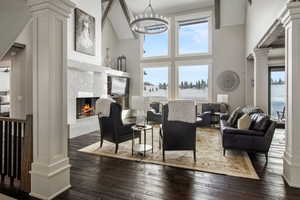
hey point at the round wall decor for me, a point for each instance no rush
(228, 81)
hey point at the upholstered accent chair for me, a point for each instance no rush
(210, 113)
(154, 115)
(177, 135)
(112, 128)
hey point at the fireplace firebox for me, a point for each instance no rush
(85, 107)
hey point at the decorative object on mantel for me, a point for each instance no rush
(84, 32)
(228, 81)
(121, 63)
(149, 22)
(108, 62)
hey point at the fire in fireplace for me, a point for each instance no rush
(85, 107)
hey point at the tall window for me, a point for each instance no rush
(156, 45)
(276, 91)
(193, 82)
(156, 82)
(182, 71)
(193, 34)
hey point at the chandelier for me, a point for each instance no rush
(149, 22)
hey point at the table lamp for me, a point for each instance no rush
(140, 104)
(223, 98)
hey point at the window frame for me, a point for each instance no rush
(277, 68)
(142, 58)
(208, 15)
(156, 65)
(207, 62)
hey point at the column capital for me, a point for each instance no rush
(61, 7)
(261, 52)
(291, 12)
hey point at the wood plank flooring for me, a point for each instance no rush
(100, 178)
(94, 177)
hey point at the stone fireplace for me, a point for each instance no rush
(85, 107)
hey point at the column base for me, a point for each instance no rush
(291, 173)
(49, 181)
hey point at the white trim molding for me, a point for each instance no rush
(291, 22)
(50, 174)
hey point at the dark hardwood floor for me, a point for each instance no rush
(95, 178)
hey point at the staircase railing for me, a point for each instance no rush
(16, 152)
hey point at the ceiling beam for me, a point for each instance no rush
(104, 16)
(126, 13)
(218, 14)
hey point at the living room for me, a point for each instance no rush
(131, 99)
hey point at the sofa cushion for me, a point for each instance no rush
(233, 117)
(244, 122)
(260, 122)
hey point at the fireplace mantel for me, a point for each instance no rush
(86, 67)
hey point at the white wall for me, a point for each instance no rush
(109, 40)
(21, 76)
(93, 8)
(4, 81)
(131, 49)
(233, 12)
(14, 16)
(260, 16)
(229, 54)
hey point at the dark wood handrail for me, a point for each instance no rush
(12, 119)
(16, 150)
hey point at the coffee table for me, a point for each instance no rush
(142, 148)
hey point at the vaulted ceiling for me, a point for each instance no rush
(168, 6)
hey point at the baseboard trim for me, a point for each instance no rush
(52, 196)
(291, 173)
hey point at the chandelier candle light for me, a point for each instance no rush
(149, 22)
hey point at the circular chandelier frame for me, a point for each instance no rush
(149, 17)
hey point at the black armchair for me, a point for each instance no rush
(177, 136)
(154, 115)
(211, 113)
(112, 128)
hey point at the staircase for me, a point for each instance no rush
(14, 15)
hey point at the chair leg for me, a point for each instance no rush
(195, 158)
(117, 147)
(164, 156)
(266, 155)
(101, 142)
(140, 138)
(224, 152)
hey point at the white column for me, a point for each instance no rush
(291, 164)
(50, 173)
(261, 78)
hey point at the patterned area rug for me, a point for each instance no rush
(209, 155)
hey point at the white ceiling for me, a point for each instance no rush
(168, 6)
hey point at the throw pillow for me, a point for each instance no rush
(261, 123)
(233, 116)
(244, 122)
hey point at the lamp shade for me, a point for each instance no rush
(139, 103)
(222, 98)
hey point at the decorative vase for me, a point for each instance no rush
(107, 60)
